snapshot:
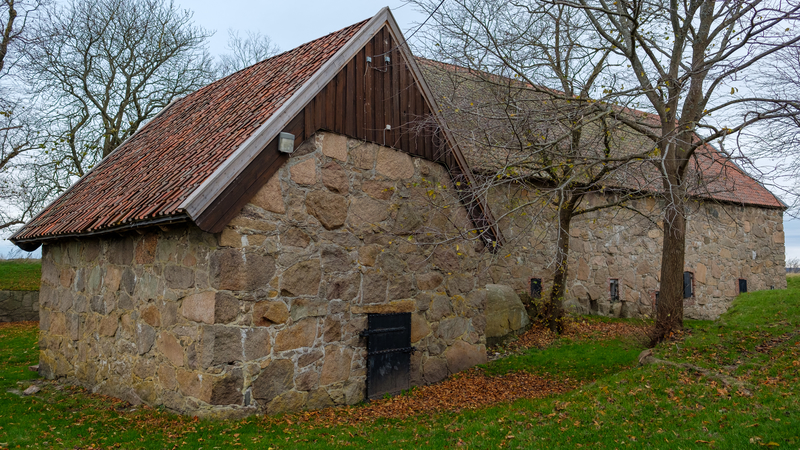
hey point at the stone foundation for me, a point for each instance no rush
(19, 306)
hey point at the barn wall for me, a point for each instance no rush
(265, 316)
(16, 306)
(724, 243)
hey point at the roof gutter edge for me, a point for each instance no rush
(32, 244)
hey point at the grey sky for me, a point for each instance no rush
(291, 23)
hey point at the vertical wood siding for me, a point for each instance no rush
(363, 98)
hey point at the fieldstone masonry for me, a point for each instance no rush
(265, 316)
(18, 306)
(724, 243)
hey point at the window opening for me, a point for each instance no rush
(688, 285)
(536, 288)
(742, 285)
(388, 353)
(613, 286)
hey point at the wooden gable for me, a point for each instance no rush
(359, 102)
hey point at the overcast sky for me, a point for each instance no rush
(291, 23)
(294, 22)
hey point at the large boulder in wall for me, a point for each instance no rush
(505, 313)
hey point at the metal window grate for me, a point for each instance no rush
(613, 287)
(388, 353)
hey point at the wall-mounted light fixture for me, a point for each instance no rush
(286, 142)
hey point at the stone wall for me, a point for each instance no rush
(266, 316)
(18, 306)
(724, 243)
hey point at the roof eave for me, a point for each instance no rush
(32, 244)
(30, 241)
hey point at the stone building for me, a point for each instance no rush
(229, 257)
(735, 238)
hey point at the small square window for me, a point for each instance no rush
(613, 287)
(536, 288)
(688, 285)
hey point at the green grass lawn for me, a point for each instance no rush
(20, 275)
(619, 404)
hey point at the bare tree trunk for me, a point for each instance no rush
(669, 315)
(554, 309)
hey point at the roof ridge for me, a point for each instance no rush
(470, 70)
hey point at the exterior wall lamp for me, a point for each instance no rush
(286, 142)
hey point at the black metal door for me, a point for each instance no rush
(388, 353)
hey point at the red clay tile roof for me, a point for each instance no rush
(151, 174)
(473, 107)
(723, 180)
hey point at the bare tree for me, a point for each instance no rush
(524, 104)
(774, 145)
(244, 51)
(103, 68)
(18, 128)
(14, 26)
(793, 265)
(682, 59)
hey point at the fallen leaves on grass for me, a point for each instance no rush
(468, 390)
(20, 326)
(540, 336)
(474, 389)
(770, 344)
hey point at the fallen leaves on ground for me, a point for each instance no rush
(540, 336)
(474, 389)
(467, 390)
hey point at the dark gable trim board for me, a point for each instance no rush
(228, 205)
